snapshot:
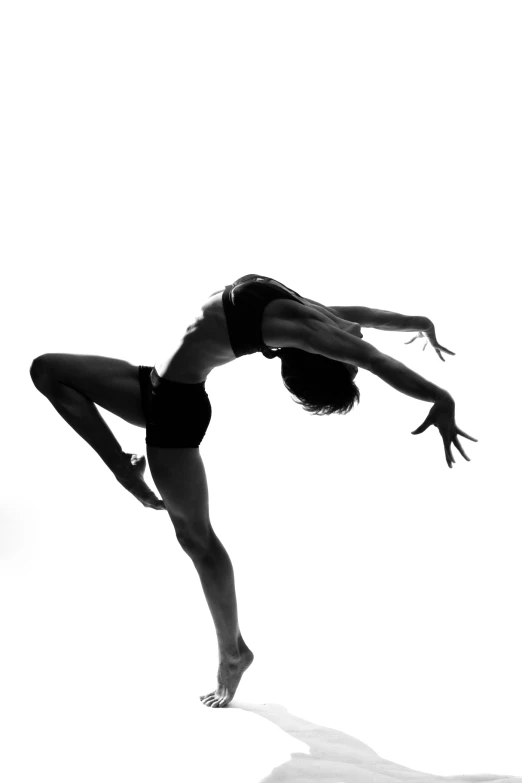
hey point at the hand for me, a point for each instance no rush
(442, 416)
(429, 333)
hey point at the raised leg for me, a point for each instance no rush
(74, 384)
(179, 475)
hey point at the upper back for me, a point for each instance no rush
(244, 303)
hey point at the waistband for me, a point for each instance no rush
(156, 381)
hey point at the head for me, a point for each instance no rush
(321, 385)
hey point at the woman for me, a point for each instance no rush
(321, 349)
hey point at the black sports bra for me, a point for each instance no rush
(244, 301)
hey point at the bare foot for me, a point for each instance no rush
(131, 477)
(229, 674)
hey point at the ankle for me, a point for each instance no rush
(120, 464)
(233, 653)
(230, 652)
(230, 658)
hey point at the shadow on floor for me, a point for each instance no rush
(336, 757)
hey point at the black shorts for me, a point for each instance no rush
(176, 414)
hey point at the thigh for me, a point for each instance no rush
(180, 477)
(112, 384)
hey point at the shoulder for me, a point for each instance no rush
(288, 324)
(310, 331)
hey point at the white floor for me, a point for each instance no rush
(378, 652)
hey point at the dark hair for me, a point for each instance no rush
(321, 385)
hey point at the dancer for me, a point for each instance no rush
(321, 349)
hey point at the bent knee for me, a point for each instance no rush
(40, 371)
(195, 538)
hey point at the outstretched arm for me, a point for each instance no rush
(394, 322)
(337, 344)
(383, 319)
(343, 347)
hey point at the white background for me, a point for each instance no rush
(362, 154)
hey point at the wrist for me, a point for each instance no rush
(445, 398)
(425, 325)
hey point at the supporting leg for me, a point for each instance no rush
(179, 475)
(216, 574)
